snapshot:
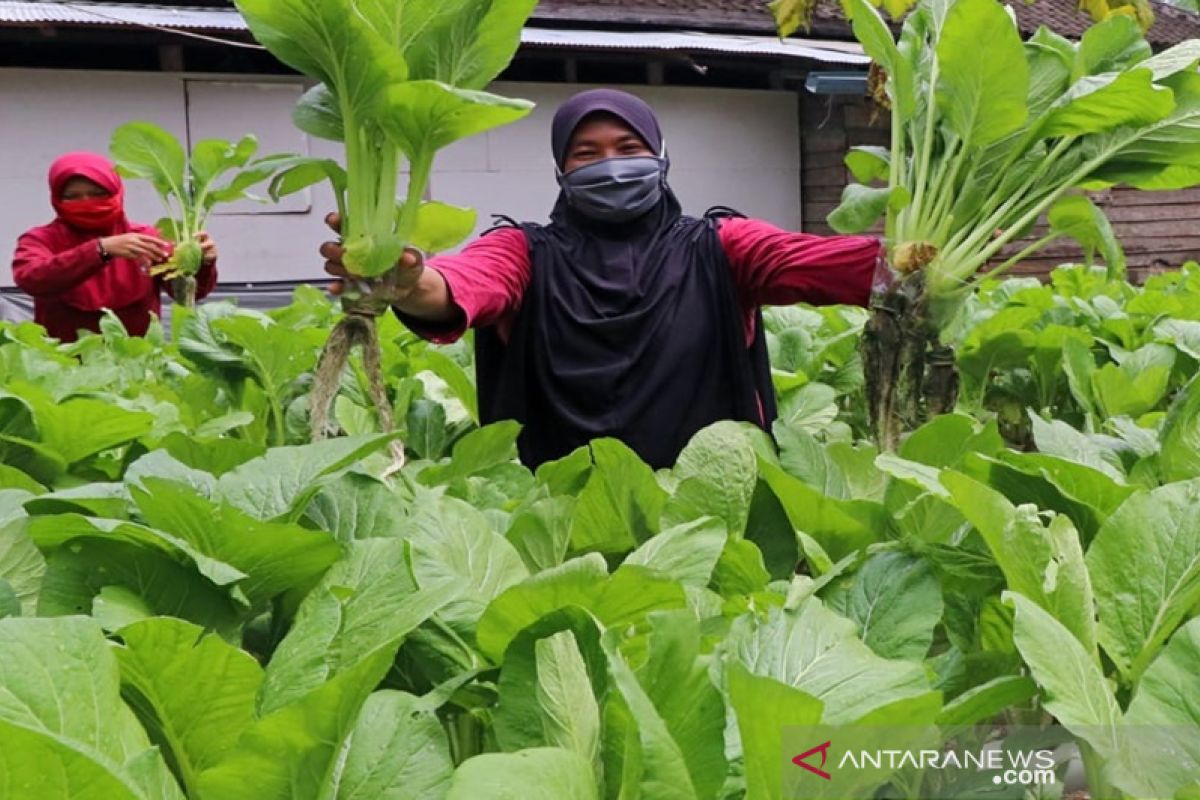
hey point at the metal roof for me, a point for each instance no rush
(65, 12)
(690, 42)
(71, 12)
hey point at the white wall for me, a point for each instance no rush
(728, 147)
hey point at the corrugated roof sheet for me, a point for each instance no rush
(26, 12)
(832, 52)
(65, 12)
(1172, 25)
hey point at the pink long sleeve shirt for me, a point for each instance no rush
(769, 265)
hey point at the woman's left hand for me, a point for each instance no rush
(208, 248)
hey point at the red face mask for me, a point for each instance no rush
(91, 214)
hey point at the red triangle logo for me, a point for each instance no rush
(802, 760)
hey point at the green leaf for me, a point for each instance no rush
(817, 651)
(802, 456)
(274, 557)
(397, 751)
(426, 424)
(543, 773)
(862, 206)
(983, 78)
(65, 731)
(570, 715)
(300, 172)
(77, 572)
(465, 43)
(476, 452)
(21, 566)
(283, 482)
(441, 226)
(328, 41)
(144, 150)
(983, 703)
(741, 569)
(1114, 44)
(293, 752)
(868, 163)
(1138, 384)
(1057, 438)
(652, 761)
(676, 679)
(1180, 457)
(359, 612)
(13, 478)
(529, 715)
(1084, 494)
(317, 113)
(622, 598)
(687, 553)
(214, 456)
(454, 543)
(621, 503)
(1104, 102)
(210, 158)
(1162, 752)
(192, 691)
(716, 473)
(63, 529)
(114, 607)
(541, 532)
(1044, 563)
(839, 526)
(1073, 687)
(275, 355)
(80, 427)
(1078, 217)
(764, 708)
(355, 506)
(1145, 564)
(94, 499)
(896, 601)
(424, 116)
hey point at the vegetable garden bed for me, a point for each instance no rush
(197, 600)
(198, 603)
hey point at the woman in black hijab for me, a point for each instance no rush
(622, 317)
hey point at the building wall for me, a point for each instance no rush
(728, 147)
(1155, 228)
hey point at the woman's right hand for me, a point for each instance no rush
(138, 246)
(388, 289)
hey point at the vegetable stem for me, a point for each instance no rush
(418, 179)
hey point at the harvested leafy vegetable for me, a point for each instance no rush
(989, 133)
(399, 78)
(189, 185)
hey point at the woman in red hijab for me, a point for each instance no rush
(91, 257)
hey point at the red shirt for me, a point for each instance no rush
(770, 266)
(56, 271)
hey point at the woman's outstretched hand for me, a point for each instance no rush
(378, 293)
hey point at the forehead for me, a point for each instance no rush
(602, 124)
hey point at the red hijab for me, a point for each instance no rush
(121, 282)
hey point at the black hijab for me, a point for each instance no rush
(631, 330)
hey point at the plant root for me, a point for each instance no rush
(183, 289)
(910, 376)
(355, 329)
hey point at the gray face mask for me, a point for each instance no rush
(615, 189)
